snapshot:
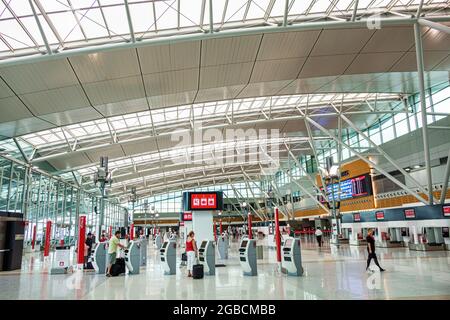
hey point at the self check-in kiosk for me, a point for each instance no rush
(133, 257)
(143, 248)
(222, 246)
(292, 258)
(168, 256)
(207, 257)
(247, 257)
(158, 241)
(99, 257)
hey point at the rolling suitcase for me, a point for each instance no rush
(118, 267)
(183, 259)
(197, 271)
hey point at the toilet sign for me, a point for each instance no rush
(203, 201)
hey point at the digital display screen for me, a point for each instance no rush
(203, 245)
(165, 245)
(379, 215)
(203, 201)
(446, 211)
(351, 188)
(187, 216)
(410, 213)
(244, 244)
(288, 243)
(356, 217)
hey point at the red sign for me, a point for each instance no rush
(181, 223)
(48, 232)
(34, 237)
(446, 210)
(379, 215)
(81, 239)
(132, 231)
(356, 217)
(410, 213)
(203, 201)
(187, 216)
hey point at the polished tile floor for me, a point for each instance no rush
(329, 274)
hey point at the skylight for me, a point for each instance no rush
(75, 23)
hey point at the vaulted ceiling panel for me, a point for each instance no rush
(11, 108)
(287, 45)
(171, 57)
(56, 100)
(275, 70)
(225, 75)
(321, 66)
(373, 62)
(72, 116)
(32, 77)
(341, 41)
(157, 84)
(115, 90)
(103, 66)
(230, 50)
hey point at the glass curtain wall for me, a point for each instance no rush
(41, 197)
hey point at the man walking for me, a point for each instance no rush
(371, 250)
(319, 236)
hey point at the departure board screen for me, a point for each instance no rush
(351, 188)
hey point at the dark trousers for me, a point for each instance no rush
(319, 240)
(374, 257)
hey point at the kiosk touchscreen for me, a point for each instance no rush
(207, 257)
(292, 259)
(168, 257)
(247, 257)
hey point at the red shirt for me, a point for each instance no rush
(189, 246)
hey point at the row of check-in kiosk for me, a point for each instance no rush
(135, 256)
(291, 256)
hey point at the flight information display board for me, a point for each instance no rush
(360, 186)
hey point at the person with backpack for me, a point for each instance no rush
(114, 242)
(191, 252)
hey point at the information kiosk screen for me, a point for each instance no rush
(203, 245)
(165, 245)
(244, 244)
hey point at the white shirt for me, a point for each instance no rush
(318, 233)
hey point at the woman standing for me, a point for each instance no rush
(191, 252)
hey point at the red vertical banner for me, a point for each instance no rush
(110, 232)
(277, 234)
(132, 231)
(250, 234)
(48, 232)
(215, 231)
(33, 241)
(221, 230)
(81, 239)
